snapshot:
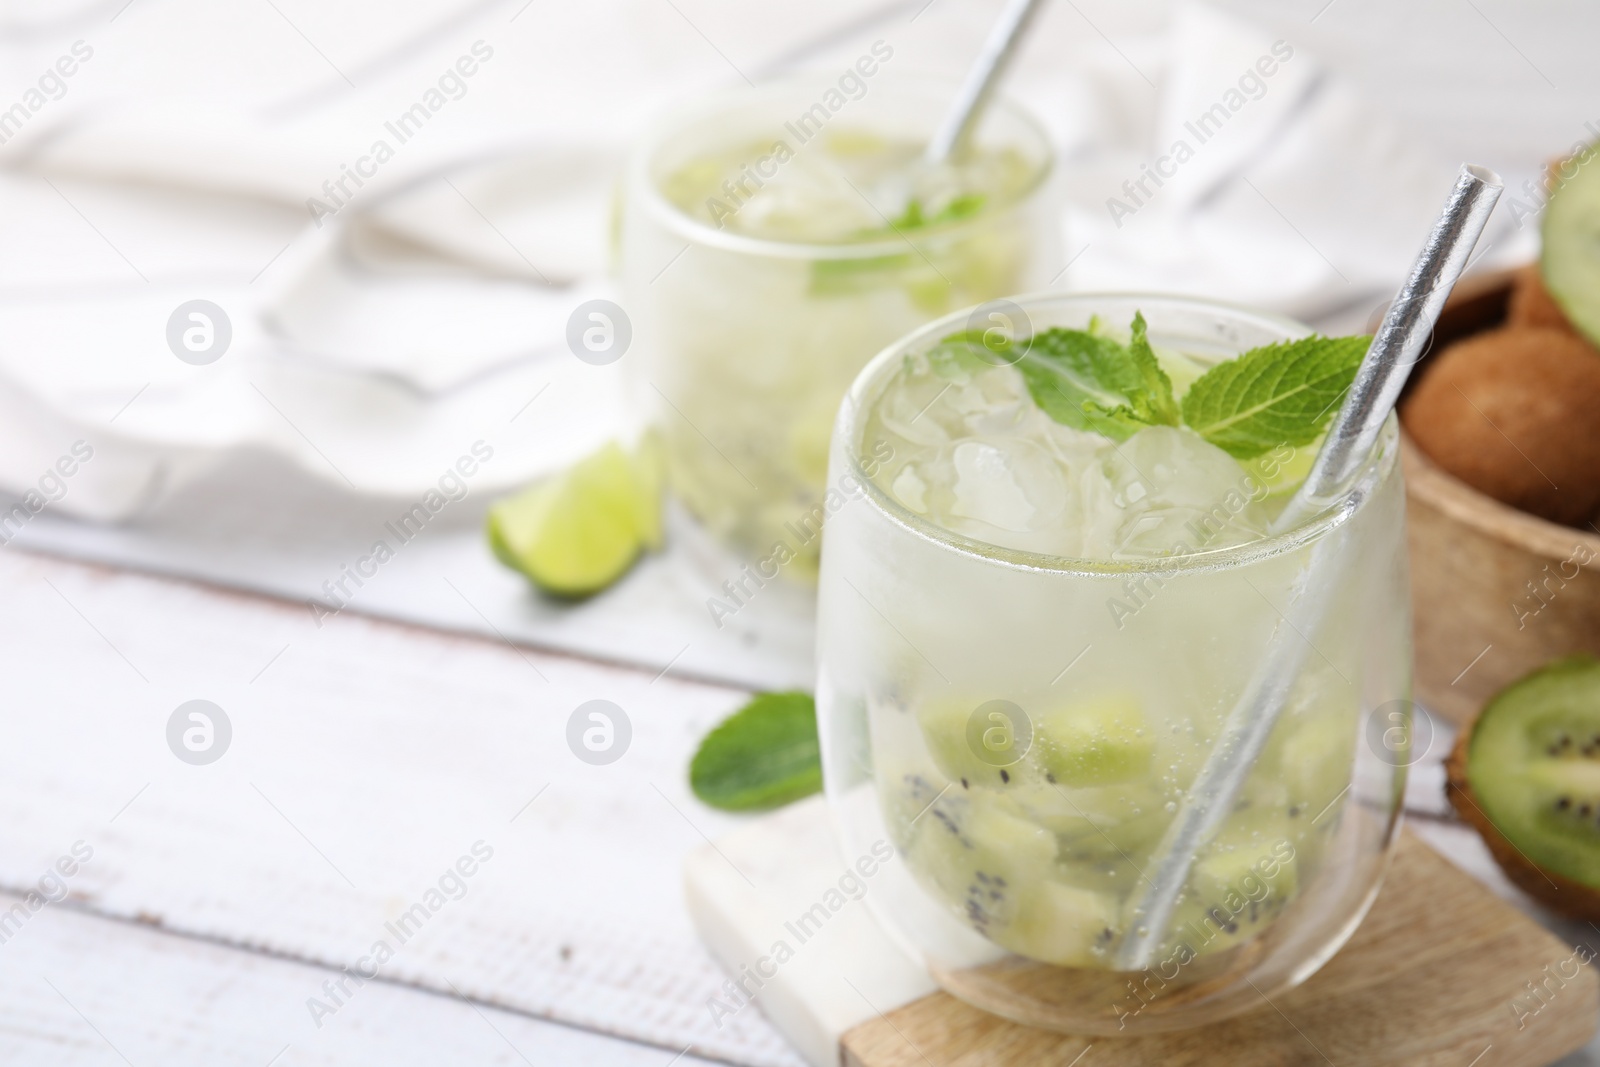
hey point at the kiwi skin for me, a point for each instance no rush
(1555, 891)
(1512, 411)
(1532, 305)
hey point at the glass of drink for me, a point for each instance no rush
(1029, 637)
(772, 241)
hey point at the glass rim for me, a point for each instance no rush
(689, 116)
(1334, 514)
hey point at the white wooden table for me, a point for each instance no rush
(219, 899)
(78, 988)
(366, 757)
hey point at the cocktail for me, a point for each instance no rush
(1055, 576)
(772, 241)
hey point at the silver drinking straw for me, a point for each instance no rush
(1345, 449)
(985, 74)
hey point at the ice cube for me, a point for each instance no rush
(1010, 483)
(910, 490)
(974, 453)
(1181, 494)
(811, 197)
(1091, 530)
(905, 413)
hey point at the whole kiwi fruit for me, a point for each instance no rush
(1515, 413)
(1531, 303)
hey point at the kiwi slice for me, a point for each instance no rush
(1570, 261)
(1527, 776)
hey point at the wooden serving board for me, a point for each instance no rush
(1438, 974)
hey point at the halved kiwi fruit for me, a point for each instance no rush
(1527, 777)
(1570, 261)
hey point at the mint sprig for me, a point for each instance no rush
(1278, 394)
(763, 755)
(1281, 394)
(1092, 382)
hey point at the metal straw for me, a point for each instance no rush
(985, 74)
(1398, 345)
(1349, 441)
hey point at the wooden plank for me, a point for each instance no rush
(77, 990)
(1430, 978)
(366, 760)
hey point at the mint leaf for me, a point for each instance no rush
(1279, 394)
(1155, 388)
(960, 207)
(1091, 382)
(910, 218)
(969, 352)
(764, 755)
(928, 286)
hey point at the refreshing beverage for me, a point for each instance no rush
(1056, 577)
(771, 245)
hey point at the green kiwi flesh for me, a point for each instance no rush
(1570, 261)
(1533, 767)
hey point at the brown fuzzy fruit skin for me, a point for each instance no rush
(1512, 411)
(1532, 305)
(1555, 891)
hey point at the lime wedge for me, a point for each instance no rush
(1570, 261)
(578, 532)
(1283, 469)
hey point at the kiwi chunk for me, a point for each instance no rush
(1096, 825)
(1532, 769)
(979, 744)
(980, 858)
(999, 745)
(1571, 231)
(1252, 859)
(1067, 925)
(998, 872)
(1316, 760)
(1094, 744)
(1245, 879)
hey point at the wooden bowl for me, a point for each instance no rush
(1496, 592)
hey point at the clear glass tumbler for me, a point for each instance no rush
(1014, 888)
(743, 346)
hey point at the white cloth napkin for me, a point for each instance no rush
(378, 328)
(1287, 191)
(374, 346)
